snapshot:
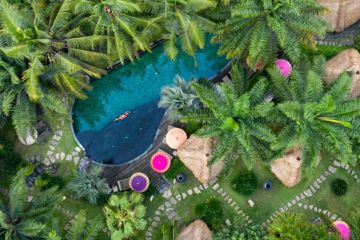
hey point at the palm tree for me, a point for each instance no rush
(125, 215)
(257, 29)
(88, 185)
(177, 98)
(183, 20)
(24, 219)
(43, 51)
(295, 226)
(81, 228)
(121, 24)
(314, 117)
(354, 222)
(236, 116)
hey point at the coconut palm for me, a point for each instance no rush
(23, 219)
(296, 226)
(236, 116)
(81, 228)
(122, 24)
(88, 185)
(125, 215)
(259, 28)
(177, 98)
(314, 117)
(182, 20)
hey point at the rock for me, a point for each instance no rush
(313, 189)
(197, 230)
(167, 204)
(323, 178)
(50, 153)
(289, 204)
(305, 206)
(68, 157)
(298, 198)
(190, 192)
(332, 169)
(196, 190)
(319, 181)
(57, 156)
(161, 207)
(77, 149)
(51, 147)
(334, 217)
(300, 204)
(311, 207)
(157, 218)
(223, 194)
(336, 163)
(293, 201)
(167, 194)
(342, 13)
(76, 160)
(236, 208)
(227, 222)
(205, 185)
(46, 162)
(251, 203)
(195, 153)
(157, 212)
(288, 168)
(75, 153)
(62, 156)
(56, 137)
(201, 187)
(178, 197)
(216, 186)
(348, 60)
(220, 191)
(52, 158)
(229, 200)
(302, 196)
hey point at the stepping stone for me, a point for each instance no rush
(327, 173)
(334, 217)
(332, 169)
(57, 156)
(323, 178)
(157, 212)
(336, 163)
(229, 200)
(51, 147)
(220, 190)
(196, 190)
(50, 153)
(223, 194)
(316, 185)
(154, 224)
(62, 156)
(148, 234)
(77, 149)
(299, 204)
(227, 222)
(358, 180)
(289, 204)
(205, 185)
(347, 167)
(167, 204)
(184, 195)
(75, 153)
(161, 208)
(311, 207)
(232, 204)
(76, 160)
(213, 181)
(283, 210)
(251, 203)
(353, 172)
(226, 198)
(57, 138)
(293, 201)
(298, 198)
(201, 187)
(236, 208)
(313, 189)
(157, 219)
(190, 192)
(59, 132)
(305, 206)
(319, 181)
(178, 197)
(216, 186)
(167, 194)
(46, 162)
(173, 201)
(302, 196)
(68, 157)
(315, 209)
(52, 158)
(308, 193)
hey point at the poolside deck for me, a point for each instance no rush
(113, 173)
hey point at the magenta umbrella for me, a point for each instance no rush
(343, 229)
(284, 67)
(160, 162)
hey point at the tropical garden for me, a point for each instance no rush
(276, 102)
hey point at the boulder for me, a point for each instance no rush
(288, 168)
(342, 13)
(348, 60)
(197, 230)
(195, 153)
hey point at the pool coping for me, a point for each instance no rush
(216, 78)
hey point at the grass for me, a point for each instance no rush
(267, 202)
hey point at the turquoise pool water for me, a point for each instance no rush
(134, 87)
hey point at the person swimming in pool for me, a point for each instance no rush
(122, 116)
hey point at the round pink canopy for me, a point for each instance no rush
(160, 162)
(284, 67)
(343, 229)
(176, 137)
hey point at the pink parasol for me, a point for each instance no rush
(343, 229)
(160, 161)
(284, 67)
(176, 137)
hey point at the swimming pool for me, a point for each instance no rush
(134, 87)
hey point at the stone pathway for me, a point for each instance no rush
(52, 156)
(314, 187)
(167, 208)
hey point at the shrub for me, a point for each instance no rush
(211, 212)
(52, 180)
(245, 183)
(339, 187)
